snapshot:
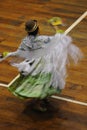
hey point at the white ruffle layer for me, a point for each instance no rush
(53, 59)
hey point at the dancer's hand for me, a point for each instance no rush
(4, 55)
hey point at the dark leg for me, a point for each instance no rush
(39, 105)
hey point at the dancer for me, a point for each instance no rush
(43, 72)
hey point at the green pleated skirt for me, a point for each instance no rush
(37, 86)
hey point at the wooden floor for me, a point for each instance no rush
(62, 115)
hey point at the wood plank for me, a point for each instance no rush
(16, 113)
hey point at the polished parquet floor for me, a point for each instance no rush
(16, 114)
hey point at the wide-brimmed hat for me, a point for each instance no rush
(31, 25)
